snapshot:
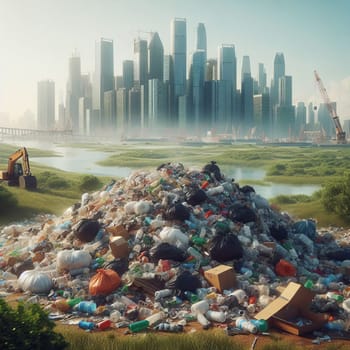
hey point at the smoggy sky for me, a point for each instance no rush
(38, 36)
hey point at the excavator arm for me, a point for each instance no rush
(21, 153)
(18, 174)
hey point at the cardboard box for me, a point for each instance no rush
(118, 230)
(221, 277)
(119, 247)
(290, 311)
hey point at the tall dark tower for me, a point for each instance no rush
(155, 58)
(279, 70)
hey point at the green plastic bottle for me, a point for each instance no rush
(138, 326)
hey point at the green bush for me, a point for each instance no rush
(27, 327)
(51, 181)
(336, 197)
(7, 199)
(89, 183)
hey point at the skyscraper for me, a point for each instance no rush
(103, 77)
(227, 76)
(310, 115)
(74, 92)
(196, 89)
(155, 58)
(178, 52)
(262, 78)
(141, 76)
(128, 74)
(300, 118)
(46, 105)
(278, 72)
(246, 96)
(201, 39)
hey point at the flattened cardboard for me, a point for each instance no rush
(221, 277)
(292, 305)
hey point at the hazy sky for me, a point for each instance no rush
(38, 36)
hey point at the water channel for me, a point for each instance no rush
(84, 161)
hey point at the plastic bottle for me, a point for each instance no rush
(155, 318)
(162, 293)
(88, 307)
(86, 325)
(246, 325)
(215, 190)
(200, 307)
(203, 320)
(138, 326)
(195, 253)
(114, 316)
(260, 324)
(61, 305)
(216, 316)
(338, 325)
(73, 302)
(240, 294)
(105, 324)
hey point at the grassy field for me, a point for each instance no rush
(291, 165)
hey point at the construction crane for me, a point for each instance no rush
(340, 133)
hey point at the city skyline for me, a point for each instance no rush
(38, 40)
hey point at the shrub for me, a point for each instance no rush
(7, 199)
(27, 327)
(49, 180)
(89, 183)
(336, 197)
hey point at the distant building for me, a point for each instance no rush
(262, 116)
(155, 58)
(128, 74)
(103, 78)
(74, 92)
(46, 105)
(300, 119)
(201, 39)
(246, 97)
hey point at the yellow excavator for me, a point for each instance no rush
(18, 174)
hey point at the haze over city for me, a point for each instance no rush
(37, 38)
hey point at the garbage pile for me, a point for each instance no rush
(163, 248)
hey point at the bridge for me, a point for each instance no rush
(4, 131)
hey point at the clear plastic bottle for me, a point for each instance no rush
(246, 325)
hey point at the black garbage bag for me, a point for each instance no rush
(195, 196)
(225, 247)
(118, 265)
(87, 230)
(167, 251)
(307, 227)
(247, 189)
(241, 212)
(177, 212)
(339, 254)
(213, 170)
(278, 232)
(185, 281)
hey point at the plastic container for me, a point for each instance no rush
(88, 307)
(338, 325)
(155, 318)
(262, 325)
(105, 324)
(73, 302)
(246, 325)
(241, 295)
(216, 316)
(87, 325)
(200, 307)
(162, 293)
(138, 326)
(203, 320)
(114, 316)
(195, 253)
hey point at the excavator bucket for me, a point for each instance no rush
(28, 182)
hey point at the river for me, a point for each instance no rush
(84, 161)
